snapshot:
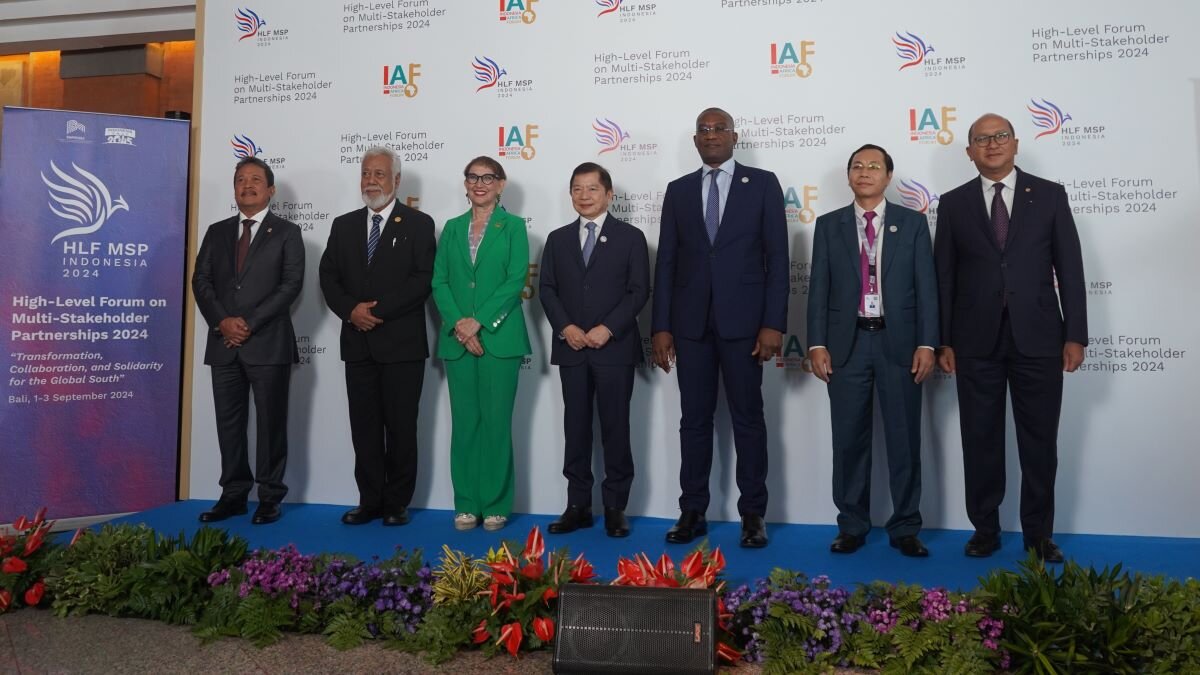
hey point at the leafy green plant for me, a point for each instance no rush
(93, 576)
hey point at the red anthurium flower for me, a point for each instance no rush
(510, 637)
(629, 573)
(493, 593)
(40, 516)
(480, 634)
(718, 559)
(533, 570)
(20, 524)
(693, 564)
(502, 572)
(543, 628)
(5, 599)
(581, 570)
(509, 599)
(34, 542)
(13, 565)
(665, 566)
(34, 594)
(534, 546)
(727, 653)
(75, 537)
(548, 595)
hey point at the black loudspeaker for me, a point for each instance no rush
(647, 631)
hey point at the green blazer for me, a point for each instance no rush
(489, 290)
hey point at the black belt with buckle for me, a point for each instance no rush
(870, 323)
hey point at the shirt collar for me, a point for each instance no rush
(859, 211)
(257, 218)
(727, 166)
(598, 220)
(1009, 181)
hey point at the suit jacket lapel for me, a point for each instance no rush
(1022, 197)
(390, 231)
(691, 197)
(983, 212)
(895, 226)
(848, 233)
(492, 230)
(737, 190)
(259, 240)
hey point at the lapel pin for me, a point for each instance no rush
(393, 242)
(1029, 189)
(892, 228)
(603, 239)
(745, 179)
(268, 230)
(396, 220)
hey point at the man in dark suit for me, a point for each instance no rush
(873, 327)
(720, 305)
(375, 275)
(594, 279)
(1003, 239)
(249, 271)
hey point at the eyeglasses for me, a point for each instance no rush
(486, 179)
(869, 166)
(1001, 138)
(720, 129)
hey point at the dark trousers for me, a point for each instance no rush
(700, 362)
(1036, 385)
(851, 405)
(233, 384)
(611, 388)
(384, 401)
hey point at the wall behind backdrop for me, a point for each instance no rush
(1103, 95)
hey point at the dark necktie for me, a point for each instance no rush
(712, 209)
(999, 216)
(865, 262)
(373, 239)
(589, 244)
(243, 245)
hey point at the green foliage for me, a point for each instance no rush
(128, 570)
(459, 577)
(446, 629)
(1106, 621)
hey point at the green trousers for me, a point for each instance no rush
(483, 390)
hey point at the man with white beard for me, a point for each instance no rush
(375, 275)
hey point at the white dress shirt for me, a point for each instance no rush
(724, 181)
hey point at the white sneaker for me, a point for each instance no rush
(493, 523)
(465, 521)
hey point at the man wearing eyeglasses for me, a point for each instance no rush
(720, 306)
(1004, 240)
(375, 275)
(872, 327)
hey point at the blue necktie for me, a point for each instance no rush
(373, 239)
(589, 244)
(712, 211)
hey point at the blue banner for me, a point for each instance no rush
(93, 223)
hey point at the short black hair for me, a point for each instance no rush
(254, 161)
(887, 159)
(716, 110)
(592, 167)
(491, 164)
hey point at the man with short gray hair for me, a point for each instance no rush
(375, 275)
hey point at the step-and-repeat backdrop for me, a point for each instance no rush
(1103, 96)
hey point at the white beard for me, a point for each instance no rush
(379, 202)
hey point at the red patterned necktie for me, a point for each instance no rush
(243, 244)
(865, 262)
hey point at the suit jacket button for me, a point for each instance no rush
(237, 288)
(471, 285)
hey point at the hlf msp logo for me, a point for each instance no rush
(1051, 119)
(625, 10)
(914, 52)
(791, 60)
(252, 26)
(798, 204)
(608, 6)
(916, 196)
(400, 81)
(491, 76)
(608, 134)
(517, 12)
(516, 142)
(82, 198)
(929, 125)
(244, 146)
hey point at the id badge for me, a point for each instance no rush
(871, 304)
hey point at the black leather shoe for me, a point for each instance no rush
(572, 519)
(1045, 549)
(754, 532)
(361, 515)
(910, 546)
(982, 545)
(398, 517)
(847, 543)
(223, 509)
(691, 524)
(267, 512)
(615, 523)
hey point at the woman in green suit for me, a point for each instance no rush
(478, 275)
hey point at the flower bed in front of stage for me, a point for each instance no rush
(1033, 620)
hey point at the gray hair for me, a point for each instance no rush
(383, 151)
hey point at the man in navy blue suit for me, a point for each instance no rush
(1003, 240)
(594, 280)
(873, 327)
(720, 307)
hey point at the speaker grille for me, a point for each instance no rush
(650, 631)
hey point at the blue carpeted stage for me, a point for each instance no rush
(317, 528)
